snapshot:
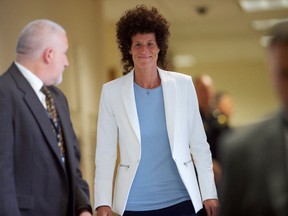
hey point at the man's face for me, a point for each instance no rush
(278, 63)
(59, 60)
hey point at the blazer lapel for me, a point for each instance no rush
(169, 91)
(37, 109)
(169, 94)
(128, 97)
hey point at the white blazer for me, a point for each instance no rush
(118, 123)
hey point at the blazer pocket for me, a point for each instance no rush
(25, 202)
(127, 166)
(188, 162)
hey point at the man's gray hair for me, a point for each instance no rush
(37, 36)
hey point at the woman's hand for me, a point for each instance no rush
(212, 207)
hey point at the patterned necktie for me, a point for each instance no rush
(53, 116)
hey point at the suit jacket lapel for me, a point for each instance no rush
(36, 108)
(278, 178)
(65, 125)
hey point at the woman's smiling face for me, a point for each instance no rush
(144, 50)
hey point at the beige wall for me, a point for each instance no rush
(249, 85)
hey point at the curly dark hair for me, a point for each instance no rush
(142, 19)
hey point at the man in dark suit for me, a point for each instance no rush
(255, 159)
(39, 158)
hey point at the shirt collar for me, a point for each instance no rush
(34, 81)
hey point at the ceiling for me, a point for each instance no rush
(205, 31)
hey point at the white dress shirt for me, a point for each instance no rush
(34, 81)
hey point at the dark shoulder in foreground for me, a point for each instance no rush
(255, 133)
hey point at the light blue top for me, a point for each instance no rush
(157, 183)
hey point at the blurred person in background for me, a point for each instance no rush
(224, 108)
(206, 96)
(255, 158)
(213, 128)
(152, 115)
(205, 90)
(222, 112)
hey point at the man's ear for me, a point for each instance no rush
(48, 55)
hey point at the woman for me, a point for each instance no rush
(154, 117)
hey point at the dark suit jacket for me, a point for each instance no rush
(33, 180)
(255, 172)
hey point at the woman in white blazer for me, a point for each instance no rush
(152, 117)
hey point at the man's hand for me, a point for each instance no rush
(212, 207)
(104, 211)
